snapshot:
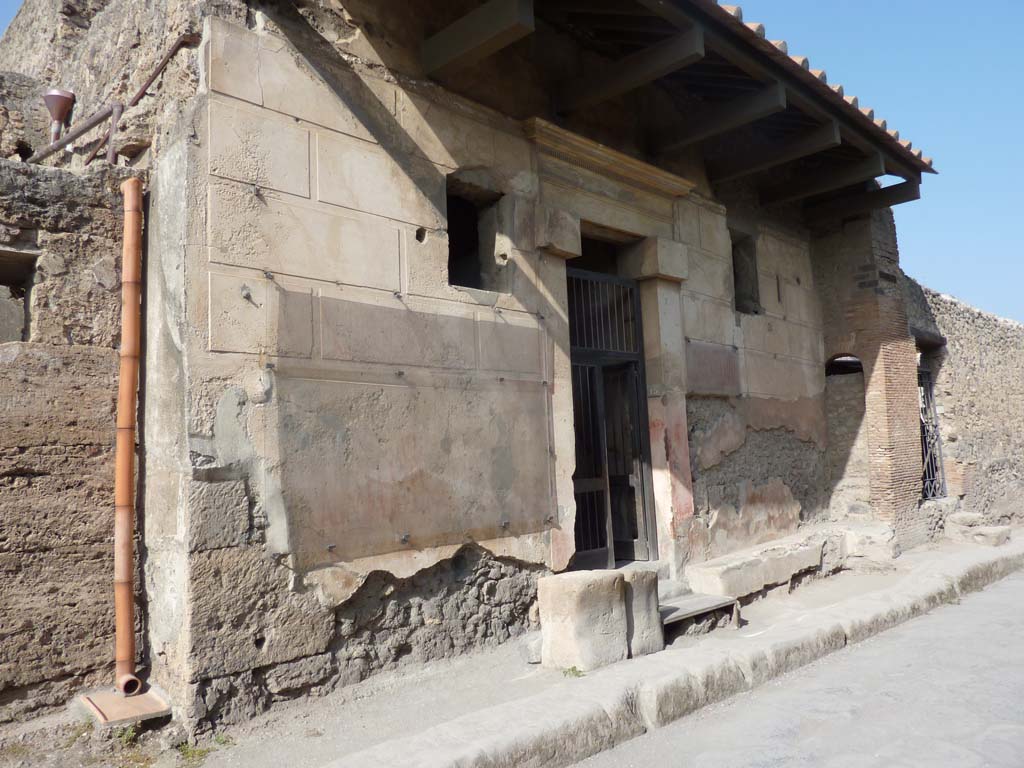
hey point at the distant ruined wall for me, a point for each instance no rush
(57, 393)
(979, 392)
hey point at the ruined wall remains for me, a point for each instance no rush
(978, 376)
(57, 393)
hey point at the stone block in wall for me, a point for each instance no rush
(558, 232)
(712, 369)
(365, 177)
(802, 304)
(644, 629)
(264, 69)
(396, 331)
(290, 320)
(292, 237)
(710, 276)
(218, 514)
(444, 137)
(238, 312)
(763, 333)
(687, 222)
(256, 147)
(511, 342)
(706, 319)
(782, 377)
(770, 295)
(582, 619)
(655, 257)
(299, 674)
(245, 615)
(714, 233)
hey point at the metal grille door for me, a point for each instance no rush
(933, 482)
(612, 478)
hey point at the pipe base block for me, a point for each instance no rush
(111, 708)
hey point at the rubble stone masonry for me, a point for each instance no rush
(57, 392)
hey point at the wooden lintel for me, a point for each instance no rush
(635, 70)
(480, 33)
(715, 119)
(810, 143)
(824, 180)
(862, 202)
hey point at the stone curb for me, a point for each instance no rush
(585, 716)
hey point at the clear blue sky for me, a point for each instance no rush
(949, 78)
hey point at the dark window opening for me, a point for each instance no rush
(17, 273)
(472, 234)
(597, 256)
(843, 365)
(744, 274)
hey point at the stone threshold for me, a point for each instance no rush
(580, 717)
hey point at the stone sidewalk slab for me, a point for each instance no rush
(581, 717)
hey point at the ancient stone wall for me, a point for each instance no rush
(57, 394)
(978, 377)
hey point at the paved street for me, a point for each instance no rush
(946, 689)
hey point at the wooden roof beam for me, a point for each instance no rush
(480, 33)
(595, 7)
(799, 96)
(862, 202)
(809, 143)
(822, 180)
(715, 119)
(634, 70)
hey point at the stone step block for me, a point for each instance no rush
(748, 571)
(644, 630)
(988, 535)
(583, 619)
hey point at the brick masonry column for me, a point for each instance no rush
(660, 266)
(856, 271)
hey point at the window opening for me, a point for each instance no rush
(17, 273)
(744, 274)
(472, 234)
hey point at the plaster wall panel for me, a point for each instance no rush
(771, 296)
(710, 276)
(782, 377)
(388, 330)
(365, 177)
(442, 136)
(712, 369)
(708, 319)
(765, 334)
(806, 343)
(290, 319)
(253, 147)
(377, 468)
(714, 234)
(802, 304)
(233, 58)
(238, 311)
(295, 238)
(786, 257)
(512, 343)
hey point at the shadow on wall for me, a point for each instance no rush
(848, 481)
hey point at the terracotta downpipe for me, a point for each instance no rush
(124, 452)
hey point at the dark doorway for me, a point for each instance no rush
(612, 480)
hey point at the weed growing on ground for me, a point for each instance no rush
(83, 727)
(572, 672)
(193, 756)
(126, 735)
(223, 740)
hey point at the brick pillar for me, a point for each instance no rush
(856, 271)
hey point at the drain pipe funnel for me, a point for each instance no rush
(58, 103)
(124, 452)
